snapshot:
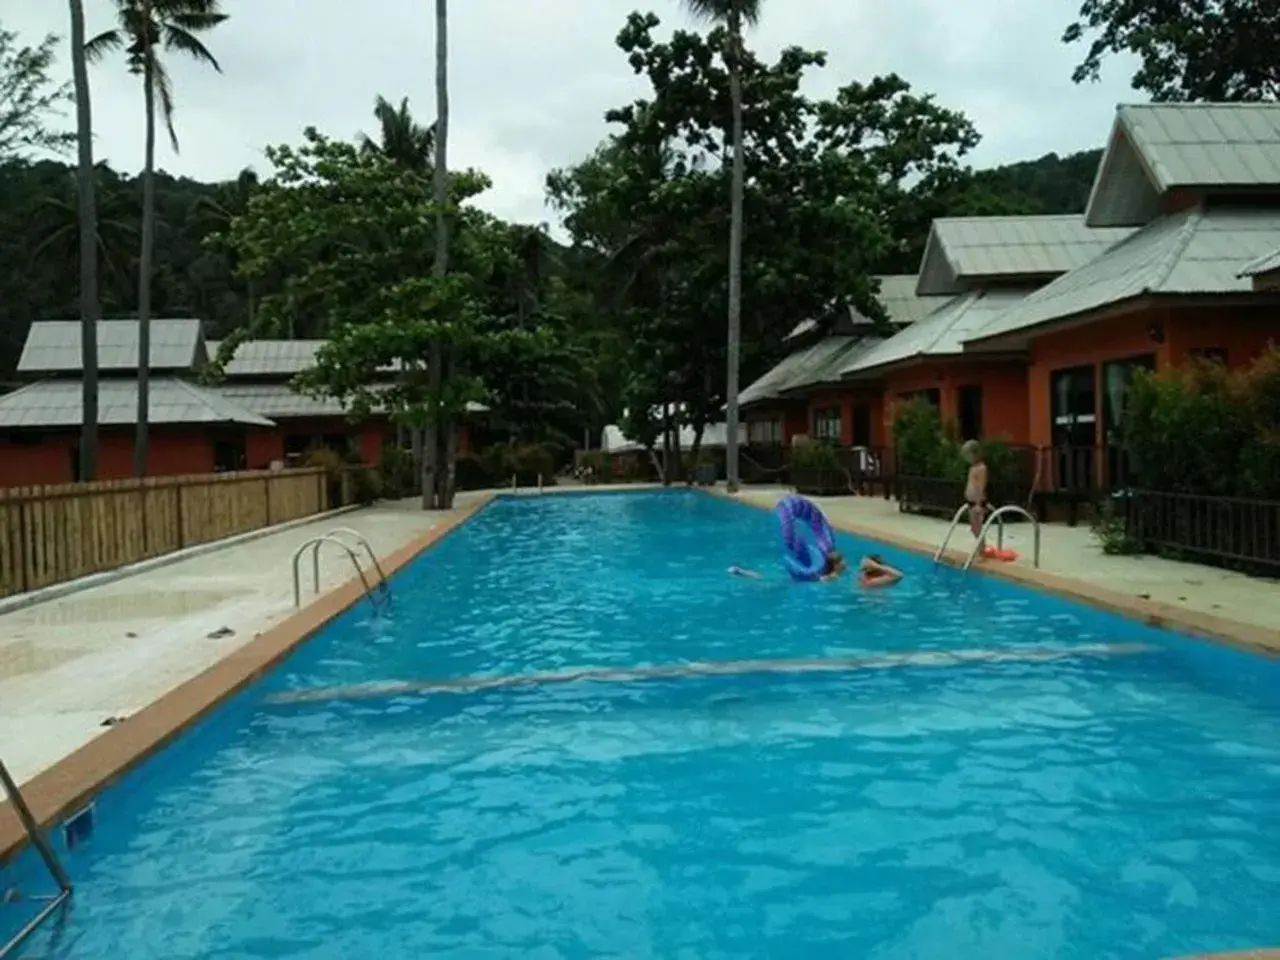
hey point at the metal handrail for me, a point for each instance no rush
(383, 584)
(51, 862)
(315, 568)
(955, 522)
(982, 537)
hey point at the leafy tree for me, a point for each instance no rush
(28, 97)
(829, 185)
(1212, 50)
(733, 15)
(145, 27)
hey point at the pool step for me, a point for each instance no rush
(884, 661)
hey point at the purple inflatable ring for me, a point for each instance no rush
(803, 559)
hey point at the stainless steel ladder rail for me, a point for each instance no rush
(998, 515)
(315, 543)
(955, 522)
(383, 583)
(51, 862)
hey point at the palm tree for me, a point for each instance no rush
(401, 139)
(733, 14)
(440, 269)
(88, 250)
(144, 26)
(216, 211)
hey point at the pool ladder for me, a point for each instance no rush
(997, 517)
(375, 591)
(51, 862)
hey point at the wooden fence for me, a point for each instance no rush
(56, 533)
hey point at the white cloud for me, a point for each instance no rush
(530, 82)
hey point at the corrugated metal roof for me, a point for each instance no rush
(1269, 263)
(1157, 147)
(279, 401)
(53, 346)
(57, 403)
(827, 365)
(1197, 251)
(961, 250)
(941, 334)
(819, 363)
(902, 303)
(258, 358)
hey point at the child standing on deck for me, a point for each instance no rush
(975, 488)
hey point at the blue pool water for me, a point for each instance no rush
(1118, 807)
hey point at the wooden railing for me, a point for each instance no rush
(56, 533)
(1218, 530)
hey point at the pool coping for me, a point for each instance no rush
(71, 782)
(1234, 633)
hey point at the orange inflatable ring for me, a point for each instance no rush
(991, 553)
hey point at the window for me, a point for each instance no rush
(969, 401)
(296, 445)
(826, 424)
(862, 426)
(765, 432)
(228, 454)
(1212, 354)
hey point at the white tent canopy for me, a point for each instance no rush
(613, 440)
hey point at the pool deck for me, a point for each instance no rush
(74, 665)
(1208, 601)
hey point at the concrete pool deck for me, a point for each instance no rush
(1216, 603)
(74, 665)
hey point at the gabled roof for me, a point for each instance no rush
(941, 334)
(260, 358)
(57, 403)
(1198, 251)
(962, 251)
(819, 363)
(279, 401)
(1268, 263)
(1158, 147)
(53, 346)
(902, 303)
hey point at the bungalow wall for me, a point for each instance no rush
(39, 458)
(295, 435)
(985, 397)
(1161, 338)
(783, 420)
(860, 413)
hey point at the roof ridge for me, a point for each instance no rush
(1199, 104)
(1169, 263)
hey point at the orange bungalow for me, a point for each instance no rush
(975, 268)
(803, 395)
(1199, 186)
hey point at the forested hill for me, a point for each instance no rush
(38, 238)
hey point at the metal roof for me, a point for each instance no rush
(259, 358)
(819, 363)
(941, 334)
(58, 403)
(1269, 263)
(1157, 147)
(1197, 251)
(280, 401)
(902, 303)
(53, 346)
(961, 250)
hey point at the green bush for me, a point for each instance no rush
(396, 467)
(814, 457)
(1202, 429)
(1112, 532)
(366, 484)
(472, 473)
(927, 447)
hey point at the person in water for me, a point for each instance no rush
(874, 572)
(832, 567)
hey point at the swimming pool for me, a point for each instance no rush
(1091, 806)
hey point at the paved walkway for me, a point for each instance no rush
(70, 665)
(1072, 552)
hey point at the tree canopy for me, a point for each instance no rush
(30, 98)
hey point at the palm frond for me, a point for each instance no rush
(164, 92)
(175, 38)
(720, 11)
(104, 43)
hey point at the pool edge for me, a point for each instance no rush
(78, 777)
(1233, 633)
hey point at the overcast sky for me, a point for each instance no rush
(531, 79)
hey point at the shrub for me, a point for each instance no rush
(1112, 531)
(815, 457)
(325, 458)
(366, 484)
(919, 438)
(397, 468)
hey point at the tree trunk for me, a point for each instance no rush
(88, 216)
(735, 257)
(440, 266)
(148, 243)
(694, 453)
(450, 462)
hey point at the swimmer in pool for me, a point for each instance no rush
(874, 572)
(832, 568)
